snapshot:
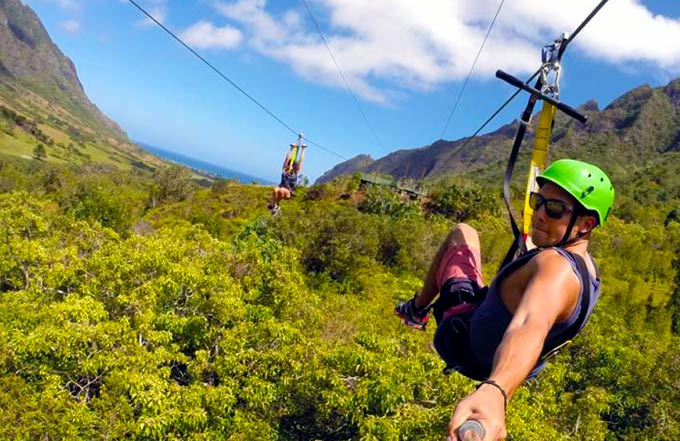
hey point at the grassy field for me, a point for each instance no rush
(28, 120)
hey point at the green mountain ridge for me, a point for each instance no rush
(630, 132)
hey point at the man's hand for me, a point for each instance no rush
(485, 405)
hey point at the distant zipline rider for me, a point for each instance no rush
(290, 172)
(546, 287)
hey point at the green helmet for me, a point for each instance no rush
(588, 184)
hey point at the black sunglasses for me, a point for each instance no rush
(554, 208)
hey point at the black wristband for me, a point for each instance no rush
(497, 386)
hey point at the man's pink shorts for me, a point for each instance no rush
(460, 262)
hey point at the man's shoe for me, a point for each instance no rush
(412, 316)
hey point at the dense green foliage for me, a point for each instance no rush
(148, 308)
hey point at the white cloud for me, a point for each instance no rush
(204, 35)
(387, 47)
(629, 32)
(158, 12)
(624, 31)
(70, 26)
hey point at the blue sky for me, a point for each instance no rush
(405, 61)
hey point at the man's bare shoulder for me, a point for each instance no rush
(550, 260)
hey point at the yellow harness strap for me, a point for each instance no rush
(291, 158)
(539, 157)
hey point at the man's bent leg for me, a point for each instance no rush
(278, 194)
(458, 256)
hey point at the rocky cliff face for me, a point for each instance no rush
(28, 53)
(43, 102)
(29, 58)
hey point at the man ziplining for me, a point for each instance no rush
(546, 287)
(292, 166)
(502, 335)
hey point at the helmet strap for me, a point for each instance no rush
(565, 240)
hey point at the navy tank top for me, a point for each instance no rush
(491, 318)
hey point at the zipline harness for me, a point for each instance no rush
(295, 156)
(547, 90)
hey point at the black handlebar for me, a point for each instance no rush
(522, 85)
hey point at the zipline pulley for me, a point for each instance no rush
(547, 90)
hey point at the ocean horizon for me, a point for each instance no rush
(204, 166)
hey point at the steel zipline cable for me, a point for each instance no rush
(571, 38)
(474, 63)
(337, 66)
(495, 113)
(232, 83)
